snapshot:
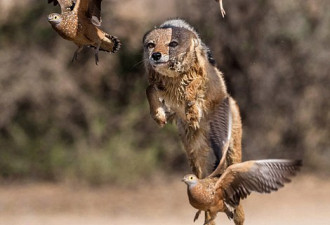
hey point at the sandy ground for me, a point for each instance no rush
(304, 201)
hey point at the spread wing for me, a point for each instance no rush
(66, 5)
(91, 9)
(220, 133)
(263, 176)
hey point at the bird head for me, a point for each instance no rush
(54, 18)
(190, 179)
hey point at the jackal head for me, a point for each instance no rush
(171, 48)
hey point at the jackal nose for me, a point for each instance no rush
(156, 56)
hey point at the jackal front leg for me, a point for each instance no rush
(194, 102)
(157, 107)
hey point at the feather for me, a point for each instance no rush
(66, 5)
(263, 176)
(220, 134)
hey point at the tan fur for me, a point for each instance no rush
(239, 216)
(189, 93)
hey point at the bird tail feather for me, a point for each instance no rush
(110, 43)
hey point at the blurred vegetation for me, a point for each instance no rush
(77, 121)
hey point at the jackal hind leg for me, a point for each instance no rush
(193, 102)
(239, 215)
(209, 218)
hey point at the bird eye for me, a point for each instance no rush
(55, 17)
(150, 45)
(173, 44)
(191, 178)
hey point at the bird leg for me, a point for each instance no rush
(97, 52)
(197, 215)
(75, 55)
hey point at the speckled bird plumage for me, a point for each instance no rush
(223, 194)
(201, 193)
(78, 23)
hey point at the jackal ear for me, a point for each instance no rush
(196, 42)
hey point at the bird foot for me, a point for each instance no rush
(197, 215)
(97, 53)
(75, 55)
(96, 58)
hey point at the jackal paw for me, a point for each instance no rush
(160, 116)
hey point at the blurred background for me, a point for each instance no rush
(68, 126)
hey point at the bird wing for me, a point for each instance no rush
(91, 9)
(66, 5)
(263, 176)
(220, 134)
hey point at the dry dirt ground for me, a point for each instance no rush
(304, 201)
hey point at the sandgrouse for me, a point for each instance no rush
(78, 22)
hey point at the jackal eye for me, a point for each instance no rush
(173, 44)
(150, 45)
